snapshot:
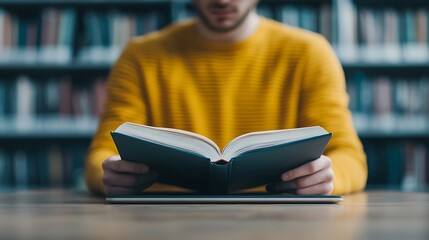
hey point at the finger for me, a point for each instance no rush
(307, 169)
(113, 178)
(125, 166)
(325, 175)
(111, 190)
(325, 188)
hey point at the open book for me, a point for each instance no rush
(193, 161)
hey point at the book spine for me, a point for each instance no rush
(26, 98)
(219, 177)
(51, 166)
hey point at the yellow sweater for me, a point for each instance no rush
(280, 77)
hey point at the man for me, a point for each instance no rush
(224, 74)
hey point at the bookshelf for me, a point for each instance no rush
(397, 3)
(390, 70)
(53, 131)
(47, 128)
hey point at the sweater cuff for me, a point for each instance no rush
(350, 173)
(94, 170)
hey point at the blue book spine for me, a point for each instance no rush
(22, 33)
(2, 99)
(105, 31)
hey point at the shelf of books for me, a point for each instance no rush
(384, 48)
(102, 4)
(55, 56)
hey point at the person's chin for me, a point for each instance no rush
(223, 26)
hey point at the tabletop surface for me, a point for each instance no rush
(67, 214)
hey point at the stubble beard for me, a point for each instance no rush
(205, 20)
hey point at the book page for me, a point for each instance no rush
(176, 138)
(257, 140)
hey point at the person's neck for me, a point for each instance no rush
(246, 29)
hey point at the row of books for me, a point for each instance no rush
(382, 34)
(403, 164)
(26, 98)
(46, 38)
(50, 36)
(381, 95)
(389, 104)
(108, 32)
(358, 34)
(51, 166)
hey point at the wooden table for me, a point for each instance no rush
(60, 214)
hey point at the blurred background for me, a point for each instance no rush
(55, 56)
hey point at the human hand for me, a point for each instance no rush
(123, 177)
(313, 178)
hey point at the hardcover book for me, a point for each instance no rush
(192, 161)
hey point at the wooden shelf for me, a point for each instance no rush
(391, 126)
(393, 135)
(43, 3)
(32, 6)
(394, 3)
(125, 2)
(52, 66)
(404, 65)
(296, 1)
(37, 70)
(49, 128)
(391, 68)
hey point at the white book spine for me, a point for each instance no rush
(347, 41)
(391, 49)
(25, 101)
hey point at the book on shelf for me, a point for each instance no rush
(265, 11)
(382, 34)
(415, 174)
(346, 44)
(183, 14)
(2, 99)
(401, 163)
(27, 98)
(3, 170)
(46, 166)
(393, 104)
(299, 16)
(20, 165)
(190, 160)
(106, 33)
(46, 38)
(49, 35)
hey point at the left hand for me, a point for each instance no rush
(313, 178)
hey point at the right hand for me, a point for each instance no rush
(123, 177)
